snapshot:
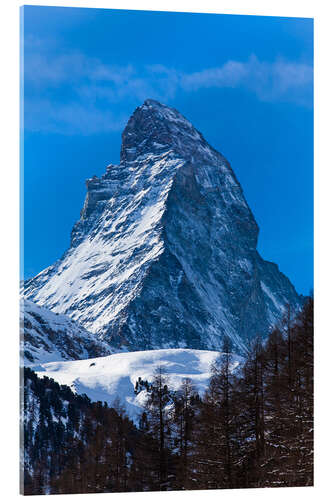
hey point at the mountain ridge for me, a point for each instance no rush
(164, 254)
(49, 337)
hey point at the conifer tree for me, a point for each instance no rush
(185, 408)
(217, 445)
(158, 410)
(251, 393)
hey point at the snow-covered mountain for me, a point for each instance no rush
(164, 254)
(46, 336)
(113, 378)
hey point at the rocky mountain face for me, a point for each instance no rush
(164, 254)
(49, 337)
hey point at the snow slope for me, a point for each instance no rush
(113, 377)
(46, 336)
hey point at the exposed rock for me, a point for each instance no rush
(49, 337)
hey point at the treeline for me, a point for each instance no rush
(72, 445)
(255, 428)
(252, 428)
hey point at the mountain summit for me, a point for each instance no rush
(155, 126)
(164, 254)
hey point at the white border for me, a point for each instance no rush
(9, 203)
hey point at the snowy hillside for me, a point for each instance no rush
(114, 377)
(164, 254)
(47, 336)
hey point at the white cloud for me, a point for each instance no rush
(280, 80)
(231, 74)
(91, 87)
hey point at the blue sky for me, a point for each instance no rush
(244, 81)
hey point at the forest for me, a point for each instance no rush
(252, 428)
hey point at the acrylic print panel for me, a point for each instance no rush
(165, 345)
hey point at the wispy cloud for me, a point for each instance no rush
(72, 93)
(277, 81)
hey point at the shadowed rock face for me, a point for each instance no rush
(164, 254)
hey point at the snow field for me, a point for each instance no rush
(112, 378)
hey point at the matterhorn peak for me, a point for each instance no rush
(161, 128)
(164, 253)
(154, 110)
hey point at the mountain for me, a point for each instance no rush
(164, 254)
(113, 378)
(48, 336)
